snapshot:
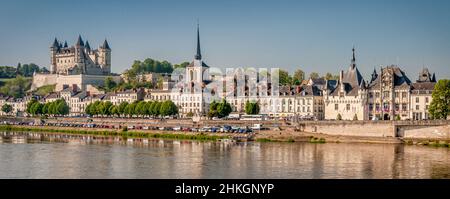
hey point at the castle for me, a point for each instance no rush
(78, 65)
(80, 59)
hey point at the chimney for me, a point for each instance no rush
(74, 88)
(298, 89)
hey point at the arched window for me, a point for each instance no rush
(192, 75)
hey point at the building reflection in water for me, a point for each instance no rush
(28, 155)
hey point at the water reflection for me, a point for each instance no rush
(36, 155)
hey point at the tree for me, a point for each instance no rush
(440, 104)
(182, 65)
(16, 87)
(314, 75)
(36, 108)
(223, 109)
(190, 114)
(156, 108)
(298, 77)
(6, 108)
(110, 84)
(355, 117)
(251, 108)
(338, 117)
(330, 76)
(61, 107)
(29, 105)
(140, 108)
(168, 108)
(284, 78)
(397, 117)
(122, 107)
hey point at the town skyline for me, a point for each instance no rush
(229, 40)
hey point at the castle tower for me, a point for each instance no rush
(79, 55)
(53, 50)
(104, 59)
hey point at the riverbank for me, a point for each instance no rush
(113, 132)
(280, 134)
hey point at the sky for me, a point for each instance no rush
(315, 36)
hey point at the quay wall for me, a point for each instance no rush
(432, 129)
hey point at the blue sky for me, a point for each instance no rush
(311, 35)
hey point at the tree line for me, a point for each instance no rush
(57, 107)
(299, 75)
(25, 70)
(137, 108)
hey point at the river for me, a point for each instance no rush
(37, 155)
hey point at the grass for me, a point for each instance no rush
(44, 90)
(124, 134)
(313, 139)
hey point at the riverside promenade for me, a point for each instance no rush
(276, 130)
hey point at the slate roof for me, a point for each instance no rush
(401, 81)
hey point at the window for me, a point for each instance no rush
(348, 107)
(377, 94)
(404, 95)
(404, 107)
(371, 95)
(377, 107)
(336, 107)
(417, 99)
(397, 107)
(370, 107)
(417, 107)
(426, 99)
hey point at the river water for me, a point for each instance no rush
(33, 155)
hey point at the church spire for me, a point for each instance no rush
(353, 59)
(198, 56)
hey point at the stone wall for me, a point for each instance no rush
(364, 129)
(425, 132)
(60, 80)
(43, 79)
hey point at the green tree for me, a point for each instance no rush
(223, 109)
(314, 75)
(168, 108)
(140, 108)
(440, 104)
(156, 108)
(251, 108)
(338, 117)
(36, 108)
(122, 107)
(29, 105)
(298, 77)
(182, 65)
(110, 84)
(355, 117)
(61, 107)
(6, 108)
(16, 87)
(284, 78)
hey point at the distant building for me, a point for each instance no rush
(80, 58)
(78, 64)
(421, 96)
(389, 94)
(347, 96)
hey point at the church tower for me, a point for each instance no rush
(195, 70)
